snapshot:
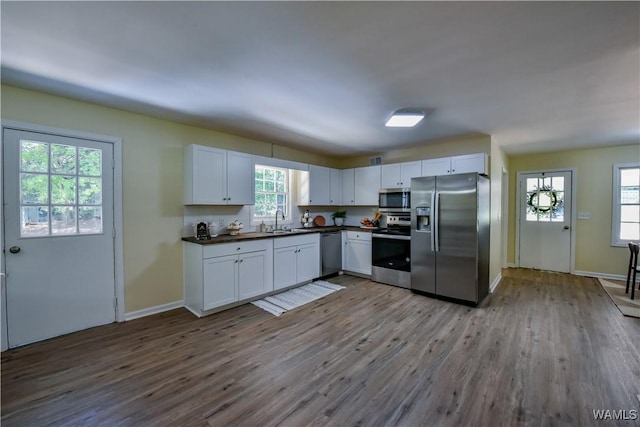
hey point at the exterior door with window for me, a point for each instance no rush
(545, 221)
(58, 235)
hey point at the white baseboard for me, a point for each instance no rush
(511, 265)
(495, 283)
(153, 310)
(600, 275)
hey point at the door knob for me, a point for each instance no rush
(566, 227)
(14, 249)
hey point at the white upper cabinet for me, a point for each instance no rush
(398, 175)
(322, 188)
(367, 185)
(240, 179)
(457, 164)
(335, 184)
(470, 163)
(348, 187)
(435, 167)
(217, 177)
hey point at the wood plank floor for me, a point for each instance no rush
(545, 349)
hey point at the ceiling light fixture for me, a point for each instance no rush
(405, 118)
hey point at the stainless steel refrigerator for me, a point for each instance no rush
(450, 236)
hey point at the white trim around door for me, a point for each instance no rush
(117, 195)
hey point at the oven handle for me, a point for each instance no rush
(391, 237)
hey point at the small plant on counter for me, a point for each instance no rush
(338, 217)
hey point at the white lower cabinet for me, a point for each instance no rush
(296, 259)
(221, 274)
(356, 254)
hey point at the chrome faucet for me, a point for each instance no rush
(283, 217)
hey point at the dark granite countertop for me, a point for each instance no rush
(256, 235)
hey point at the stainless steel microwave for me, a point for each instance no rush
(394, 200)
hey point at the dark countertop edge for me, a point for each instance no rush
(227, 238)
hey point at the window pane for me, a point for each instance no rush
(558, 183)
(34, 221)
(259, 207)
(259, 185)
(90, 191)
(269, 174)
(630, 177)
(532, 184)
(629, 231)
(34, 156)
(63, 220)
(34, 189)
(63, 189)
(630, 213)
(90, 220)
(89, 161)
(280, 188)
(546, 182)
(280, 176)
(259, 173)
(630, 195)
(63, 159)
(544, 201)
(269, 186)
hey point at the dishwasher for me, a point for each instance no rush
(331, 247)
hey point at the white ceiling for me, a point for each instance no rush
(536, 76)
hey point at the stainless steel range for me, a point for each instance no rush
(391, 251)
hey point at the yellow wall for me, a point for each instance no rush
(499, 162)
(594, 167)
(152, 181)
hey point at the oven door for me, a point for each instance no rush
(391, 251)
(394, 199)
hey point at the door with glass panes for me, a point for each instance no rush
(545, 221)
(59, 240)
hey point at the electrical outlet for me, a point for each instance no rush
(584, 215)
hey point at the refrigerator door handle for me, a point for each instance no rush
(433, 222)
(435, 235)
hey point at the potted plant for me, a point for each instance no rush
(338, 217)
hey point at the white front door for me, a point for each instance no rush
(59, 244)
(545, 221)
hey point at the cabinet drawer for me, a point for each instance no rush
(359, 235)
(283, 242)
(223, 249)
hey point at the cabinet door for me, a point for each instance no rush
(358, 256)
(207, 178)
(348, 187)
(391, 176)
(251, 275)
(435, 167)
(409, 170)
(284, 267)
(319, 185)
(308, 262)
(240, 179)
(469, 163)
(367, 185)
(335, 187)
(220, 278)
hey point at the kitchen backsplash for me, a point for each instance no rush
(224, 215)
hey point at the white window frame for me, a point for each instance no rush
(615, 211)
(288, 220)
